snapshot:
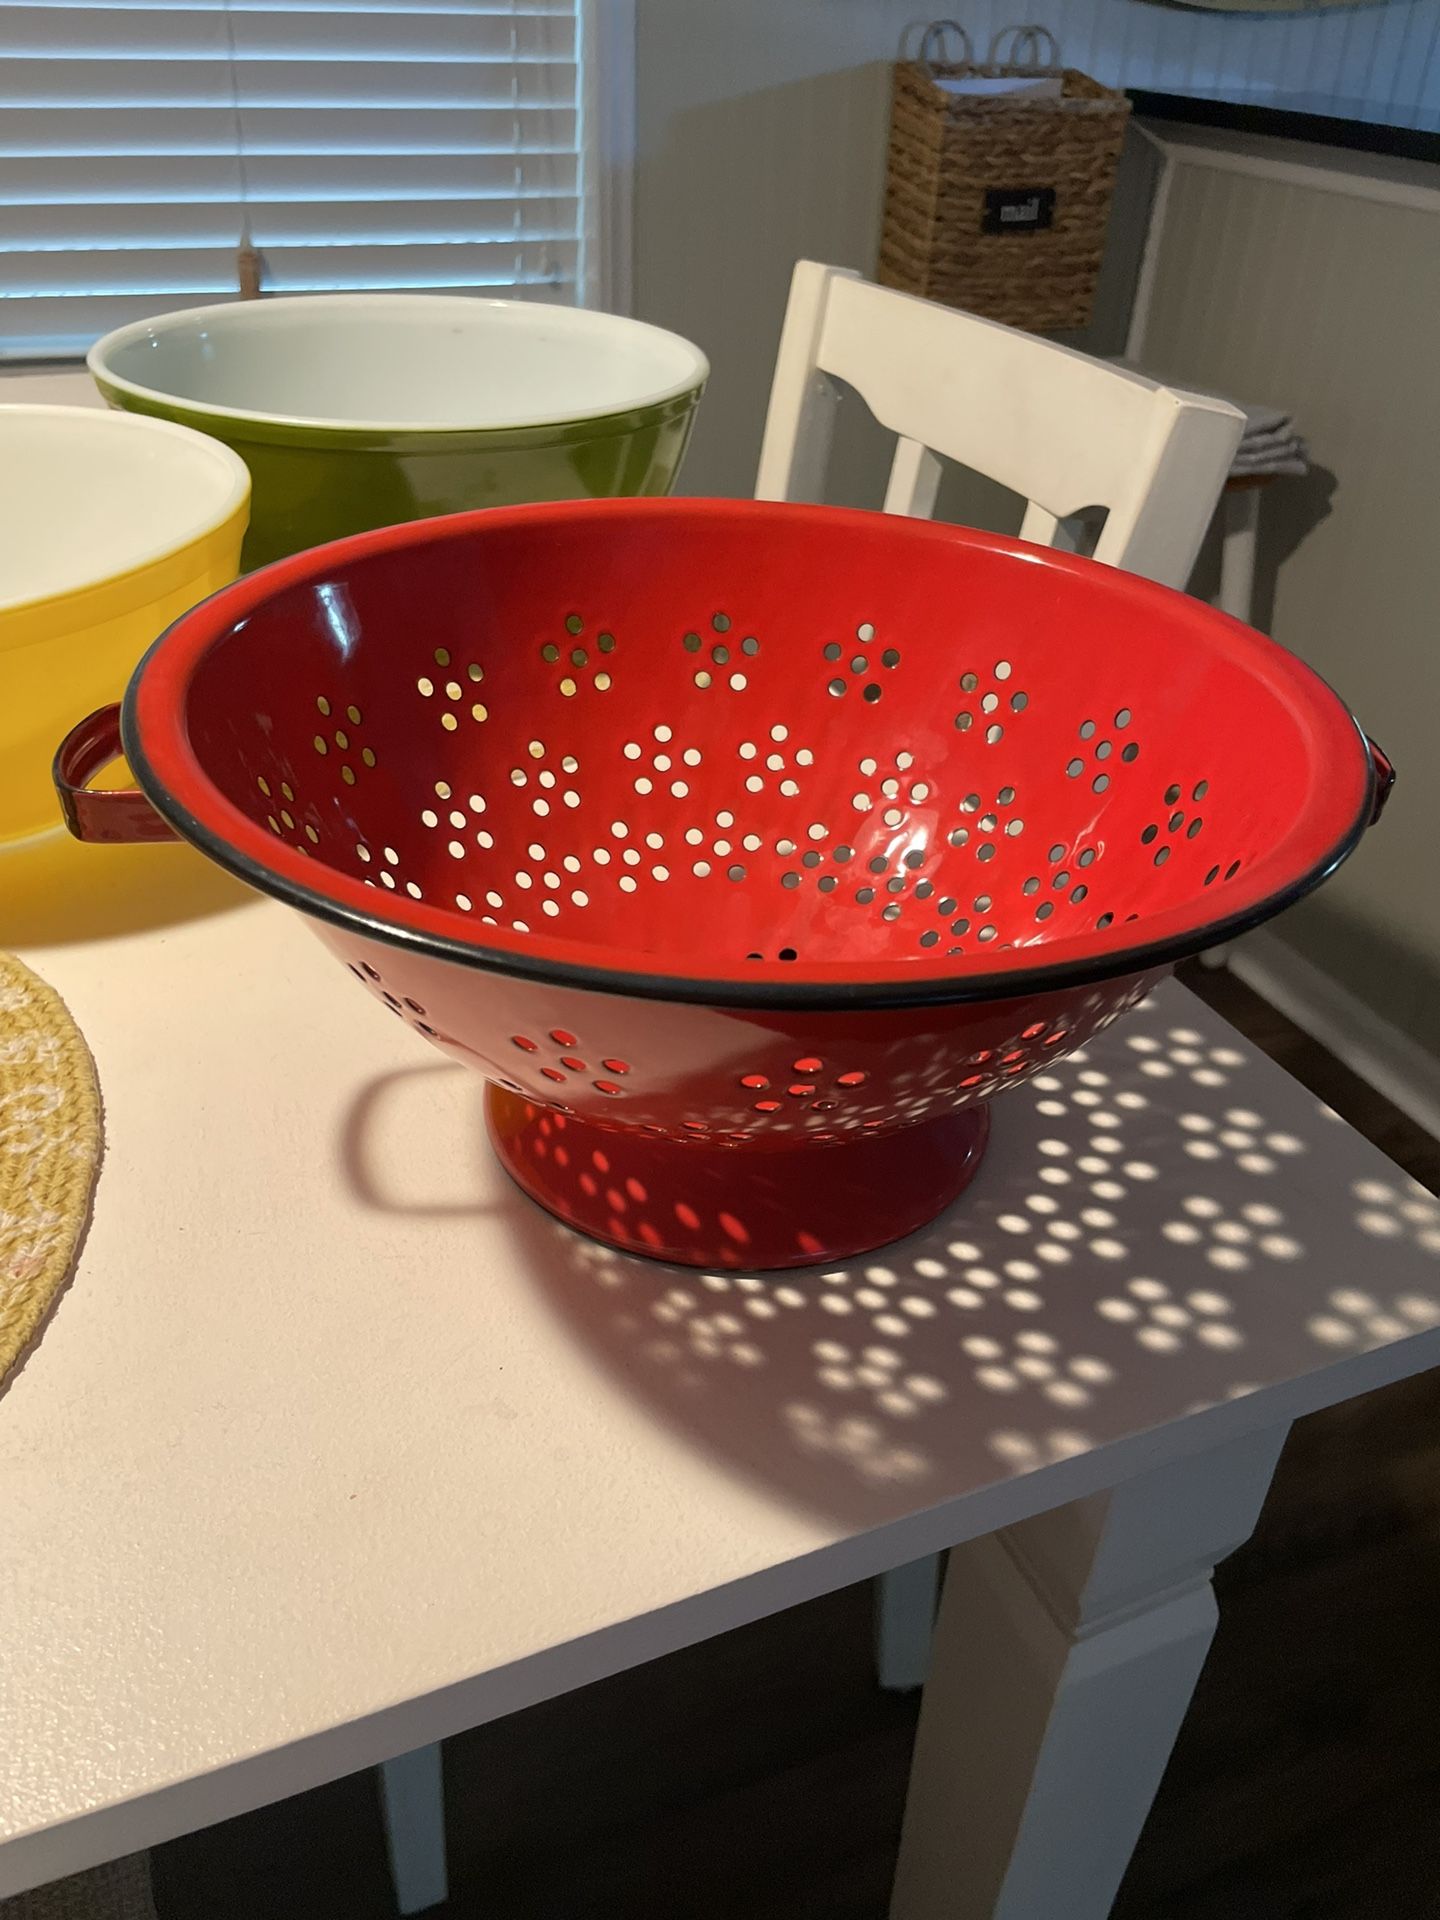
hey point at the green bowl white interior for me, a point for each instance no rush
(398, 362)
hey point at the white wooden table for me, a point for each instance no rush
(335, 1445)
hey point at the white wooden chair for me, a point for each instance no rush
(1070, 434)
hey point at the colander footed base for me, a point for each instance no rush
(723, 1207)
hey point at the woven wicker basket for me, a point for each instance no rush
(999, 205)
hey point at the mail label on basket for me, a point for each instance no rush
(985, 152)
(1018, 209)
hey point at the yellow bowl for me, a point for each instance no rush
(111, 526)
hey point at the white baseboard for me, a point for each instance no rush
(1394, 1064)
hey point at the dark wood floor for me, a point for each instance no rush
(761, 1776)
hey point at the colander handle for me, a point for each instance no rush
(1384, 778)
(114, 814)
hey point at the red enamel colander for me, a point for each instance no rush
(748, 850)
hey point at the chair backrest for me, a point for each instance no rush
(1067, 432)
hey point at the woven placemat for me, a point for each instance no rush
(49, 1150)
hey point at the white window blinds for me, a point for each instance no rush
(402, 143)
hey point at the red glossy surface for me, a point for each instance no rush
(653, 810)
(738, 1077)
(119, 815)
(766, 1208)
(1384, 779)
(1009, 702)
(762, 1105)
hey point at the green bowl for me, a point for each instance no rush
(355, 411)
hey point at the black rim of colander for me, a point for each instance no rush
(1016, 984)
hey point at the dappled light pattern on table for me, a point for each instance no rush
(1158, 1228)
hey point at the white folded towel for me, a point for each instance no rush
(1292, 457)
(1268, 443)
(1256, 444)
(1264, 423)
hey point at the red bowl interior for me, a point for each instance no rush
(736, 749)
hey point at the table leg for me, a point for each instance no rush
(1240, 525)
(412, 1798)
(904, 1621)
(1064, 1658)
(1239, 529)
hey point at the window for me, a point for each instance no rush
(147, 145)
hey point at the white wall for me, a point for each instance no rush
(762, 127)
(761, 135)
(1313, 280)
